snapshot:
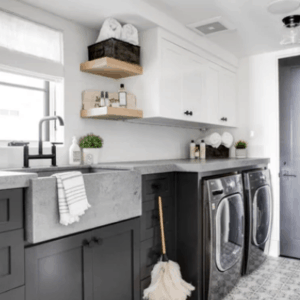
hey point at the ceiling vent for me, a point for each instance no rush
(211, 26)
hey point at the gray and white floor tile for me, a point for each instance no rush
(277, 278)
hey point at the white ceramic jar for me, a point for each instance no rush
(240, 153)
(91, 156)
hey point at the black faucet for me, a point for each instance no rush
(51, 156)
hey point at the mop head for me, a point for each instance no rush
(167, 283)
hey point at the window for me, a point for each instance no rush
(22, 35)
(24, 100)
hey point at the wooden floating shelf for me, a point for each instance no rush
(111, 67)
(112, 113)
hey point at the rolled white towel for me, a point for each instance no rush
(130, 34)
(111, 28)
(213, 140)
(227, 139)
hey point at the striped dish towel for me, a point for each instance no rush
(72, 200)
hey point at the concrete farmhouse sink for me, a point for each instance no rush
(115, 195)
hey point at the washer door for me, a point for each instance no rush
(261, 215)
(229, 231)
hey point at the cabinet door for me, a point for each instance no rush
(212, 93)
(113, 262)
(193, 88)
(55, 270)
(228, 98)
(11, 260)
(15, 294)
(11, 209)
(171, 83)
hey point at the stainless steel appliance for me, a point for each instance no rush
(258, 209)
(223, 235)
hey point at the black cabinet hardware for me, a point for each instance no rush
(224, 119)
(188, 113)
(156, 186)
(98, 241)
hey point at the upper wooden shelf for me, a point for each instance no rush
(110, 67)
(112, 113)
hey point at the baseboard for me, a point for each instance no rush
(274, 248)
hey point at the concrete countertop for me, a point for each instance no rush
(13, 180)
(19, 178)
(185, 165)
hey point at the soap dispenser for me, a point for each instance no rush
(74, 153)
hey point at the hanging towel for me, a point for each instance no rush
(227, 139)
(130, 34)
(213, 140)
(72, 200)
(111, 28)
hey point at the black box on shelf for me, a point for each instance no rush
(221, 152)
(117, 49)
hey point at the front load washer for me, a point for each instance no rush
(258, 212)
(223, 232)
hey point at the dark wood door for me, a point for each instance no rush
(113, 262)
(55, 270)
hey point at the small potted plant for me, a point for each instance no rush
(90, 145)
(241, 149)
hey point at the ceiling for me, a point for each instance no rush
(257, 31)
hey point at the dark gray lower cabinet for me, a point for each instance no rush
(98, 264)
(16, 294)
(155, 185)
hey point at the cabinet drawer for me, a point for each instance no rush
(16, 294)
(157, 184)
(151, 252)
(145, 284)
(11, 260)
(11, 209)
(150, 217)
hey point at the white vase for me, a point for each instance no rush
(91, 156)
(240, 153)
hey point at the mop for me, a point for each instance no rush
(166, 280)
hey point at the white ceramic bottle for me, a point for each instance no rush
(192, 149)
(202, 150)
(74, 153)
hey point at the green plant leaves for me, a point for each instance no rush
(91, 141)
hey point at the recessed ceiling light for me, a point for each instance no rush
(283, 6)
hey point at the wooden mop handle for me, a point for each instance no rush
(162, 230)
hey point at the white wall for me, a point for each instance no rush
(122, 141)
(259, 117)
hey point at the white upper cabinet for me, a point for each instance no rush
(221, 95)
(181, 87)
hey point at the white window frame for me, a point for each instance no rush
(56, 106)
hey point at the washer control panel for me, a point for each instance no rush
(224, 186)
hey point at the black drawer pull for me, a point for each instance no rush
(87, 243)
(98, 241)
(156, 186)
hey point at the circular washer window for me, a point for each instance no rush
(261, 215)
(229, 231)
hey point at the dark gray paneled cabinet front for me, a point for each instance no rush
(11, 260)
(155, 185)
(98, 264)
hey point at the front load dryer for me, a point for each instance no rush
(258, 212)
(223, 232)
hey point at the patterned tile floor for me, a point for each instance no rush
(277, 278)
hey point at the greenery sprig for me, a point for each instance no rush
(91, 141)
(241, 144)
